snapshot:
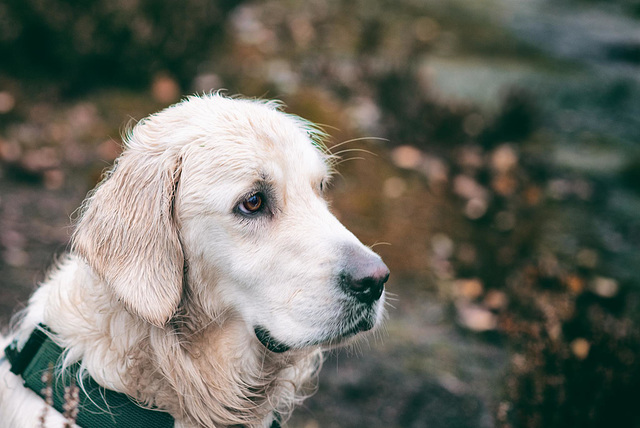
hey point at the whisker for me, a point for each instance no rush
(380, 243)
(325, 125)
(353, 140)
(348, 159)
(354, 150)
(338, 174)
(391, 297)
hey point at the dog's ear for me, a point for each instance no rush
(127, 234)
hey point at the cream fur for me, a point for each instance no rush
(166, 279)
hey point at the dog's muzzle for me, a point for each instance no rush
(362, 281)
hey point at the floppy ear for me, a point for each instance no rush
(127, 234)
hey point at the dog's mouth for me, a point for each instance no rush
(352, 329)
(269, 342)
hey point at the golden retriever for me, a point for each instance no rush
(206, 272)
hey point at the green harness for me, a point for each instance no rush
(98, 407)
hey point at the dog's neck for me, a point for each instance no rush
(190, 367)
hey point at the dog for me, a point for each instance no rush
(206, 274)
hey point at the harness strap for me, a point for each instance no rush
(97, 407)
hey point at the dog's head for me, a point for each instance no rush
(233, 190)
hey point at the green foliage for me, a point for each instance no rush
(102, 42)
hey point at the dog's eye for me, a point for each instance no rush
(252, 204)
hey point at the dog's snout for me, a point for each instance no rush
(364, 277)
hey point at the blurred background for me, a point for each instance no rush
(491, 153)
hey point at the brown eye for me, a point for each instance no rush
(252, 204)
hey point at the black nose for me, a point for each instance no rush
(364, 277)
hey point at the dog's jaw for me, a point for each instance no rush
(269, 342)
(361, 321)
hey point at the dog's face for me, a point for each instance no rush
(255, 223)
(246, 202)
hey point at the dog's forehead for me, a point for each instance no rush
(238, 143)
(235, 139)
(260, 135)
